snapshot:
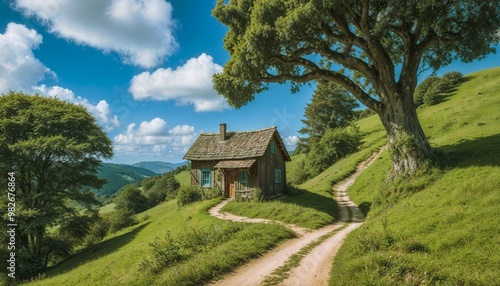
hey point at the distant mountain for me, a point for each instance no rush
(159, 167)
(119, 175)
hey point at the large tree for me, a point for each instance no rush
(53, 149)
(373, 48)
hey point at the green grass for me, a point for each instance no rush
(184, 178)
(117, 260)
(441, 227)
(107, 208)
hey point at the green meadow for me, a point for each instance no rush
(442, 226)
(439, 227)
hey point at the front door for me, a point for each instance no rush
(230, 182)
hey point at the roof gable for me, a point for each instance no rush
(238, 145)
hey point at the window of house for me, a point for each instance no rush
(244, 178)
(277, 176)
(273, 148)
(205, 178)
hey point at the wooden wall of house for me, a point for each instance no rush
(266, 165)
(252, 179)
(197, 166)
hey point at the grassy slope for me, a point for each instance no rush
(448, 231)
(117, 260)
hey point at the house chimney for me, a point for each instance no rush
(223, 132)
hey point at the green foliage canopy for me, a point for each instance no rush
(54, 148)
(300, 41)
(373, 48)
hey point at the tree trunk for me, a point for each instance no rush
(408, 145)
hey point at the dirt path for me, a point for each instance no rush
(314, 268)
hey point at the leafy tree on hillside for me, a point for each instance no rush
(54, 150)
(422, 89)
(373, 48)
(431, 90)
(164, 188)
(131, 199)
(334, 145)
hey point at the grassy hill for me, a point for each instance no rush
(439, 228)
(121, 258)
(119, 175)
(442, 227)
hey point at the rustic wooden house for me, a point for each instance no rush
(237, 162)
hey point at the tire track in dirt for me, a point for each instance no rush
(314, 268)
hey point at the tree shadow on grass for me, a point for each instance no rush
(315, 201)
(94, 252)
(365, 207)
(482, 151)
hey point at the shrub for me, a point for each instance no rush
(299, 174)
(422, 88)
(188, 195)
(333, 146)
(98, 230)
(453, 78)
(165, 253)
(208, 194)
(431, 90)
(257, 195)
(120, 219)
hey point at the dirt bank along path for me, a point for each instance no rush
(314, 268)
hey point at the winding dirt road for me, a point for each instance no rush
(314, 268)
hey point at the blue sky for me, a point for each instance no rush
(143, 68)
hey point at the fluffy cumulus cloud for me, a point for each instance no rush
(291, 141)
(141, 31)
(153, 139)
(101, 111)
(19, 69)
(190, 83)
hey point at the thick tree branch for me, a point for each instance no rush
(315, 72)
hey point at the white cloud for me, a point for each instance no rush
(101, 110)
(153, 140)
(141, 31)
(291, 141)
(187, 84)
(19, 69)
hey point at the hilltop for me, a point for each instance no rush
(119, 175)
(159, 167)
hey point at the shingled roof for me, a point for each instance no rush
(238, 145)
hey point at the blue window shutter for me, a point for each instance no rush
(205, 180)
(277, 176)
